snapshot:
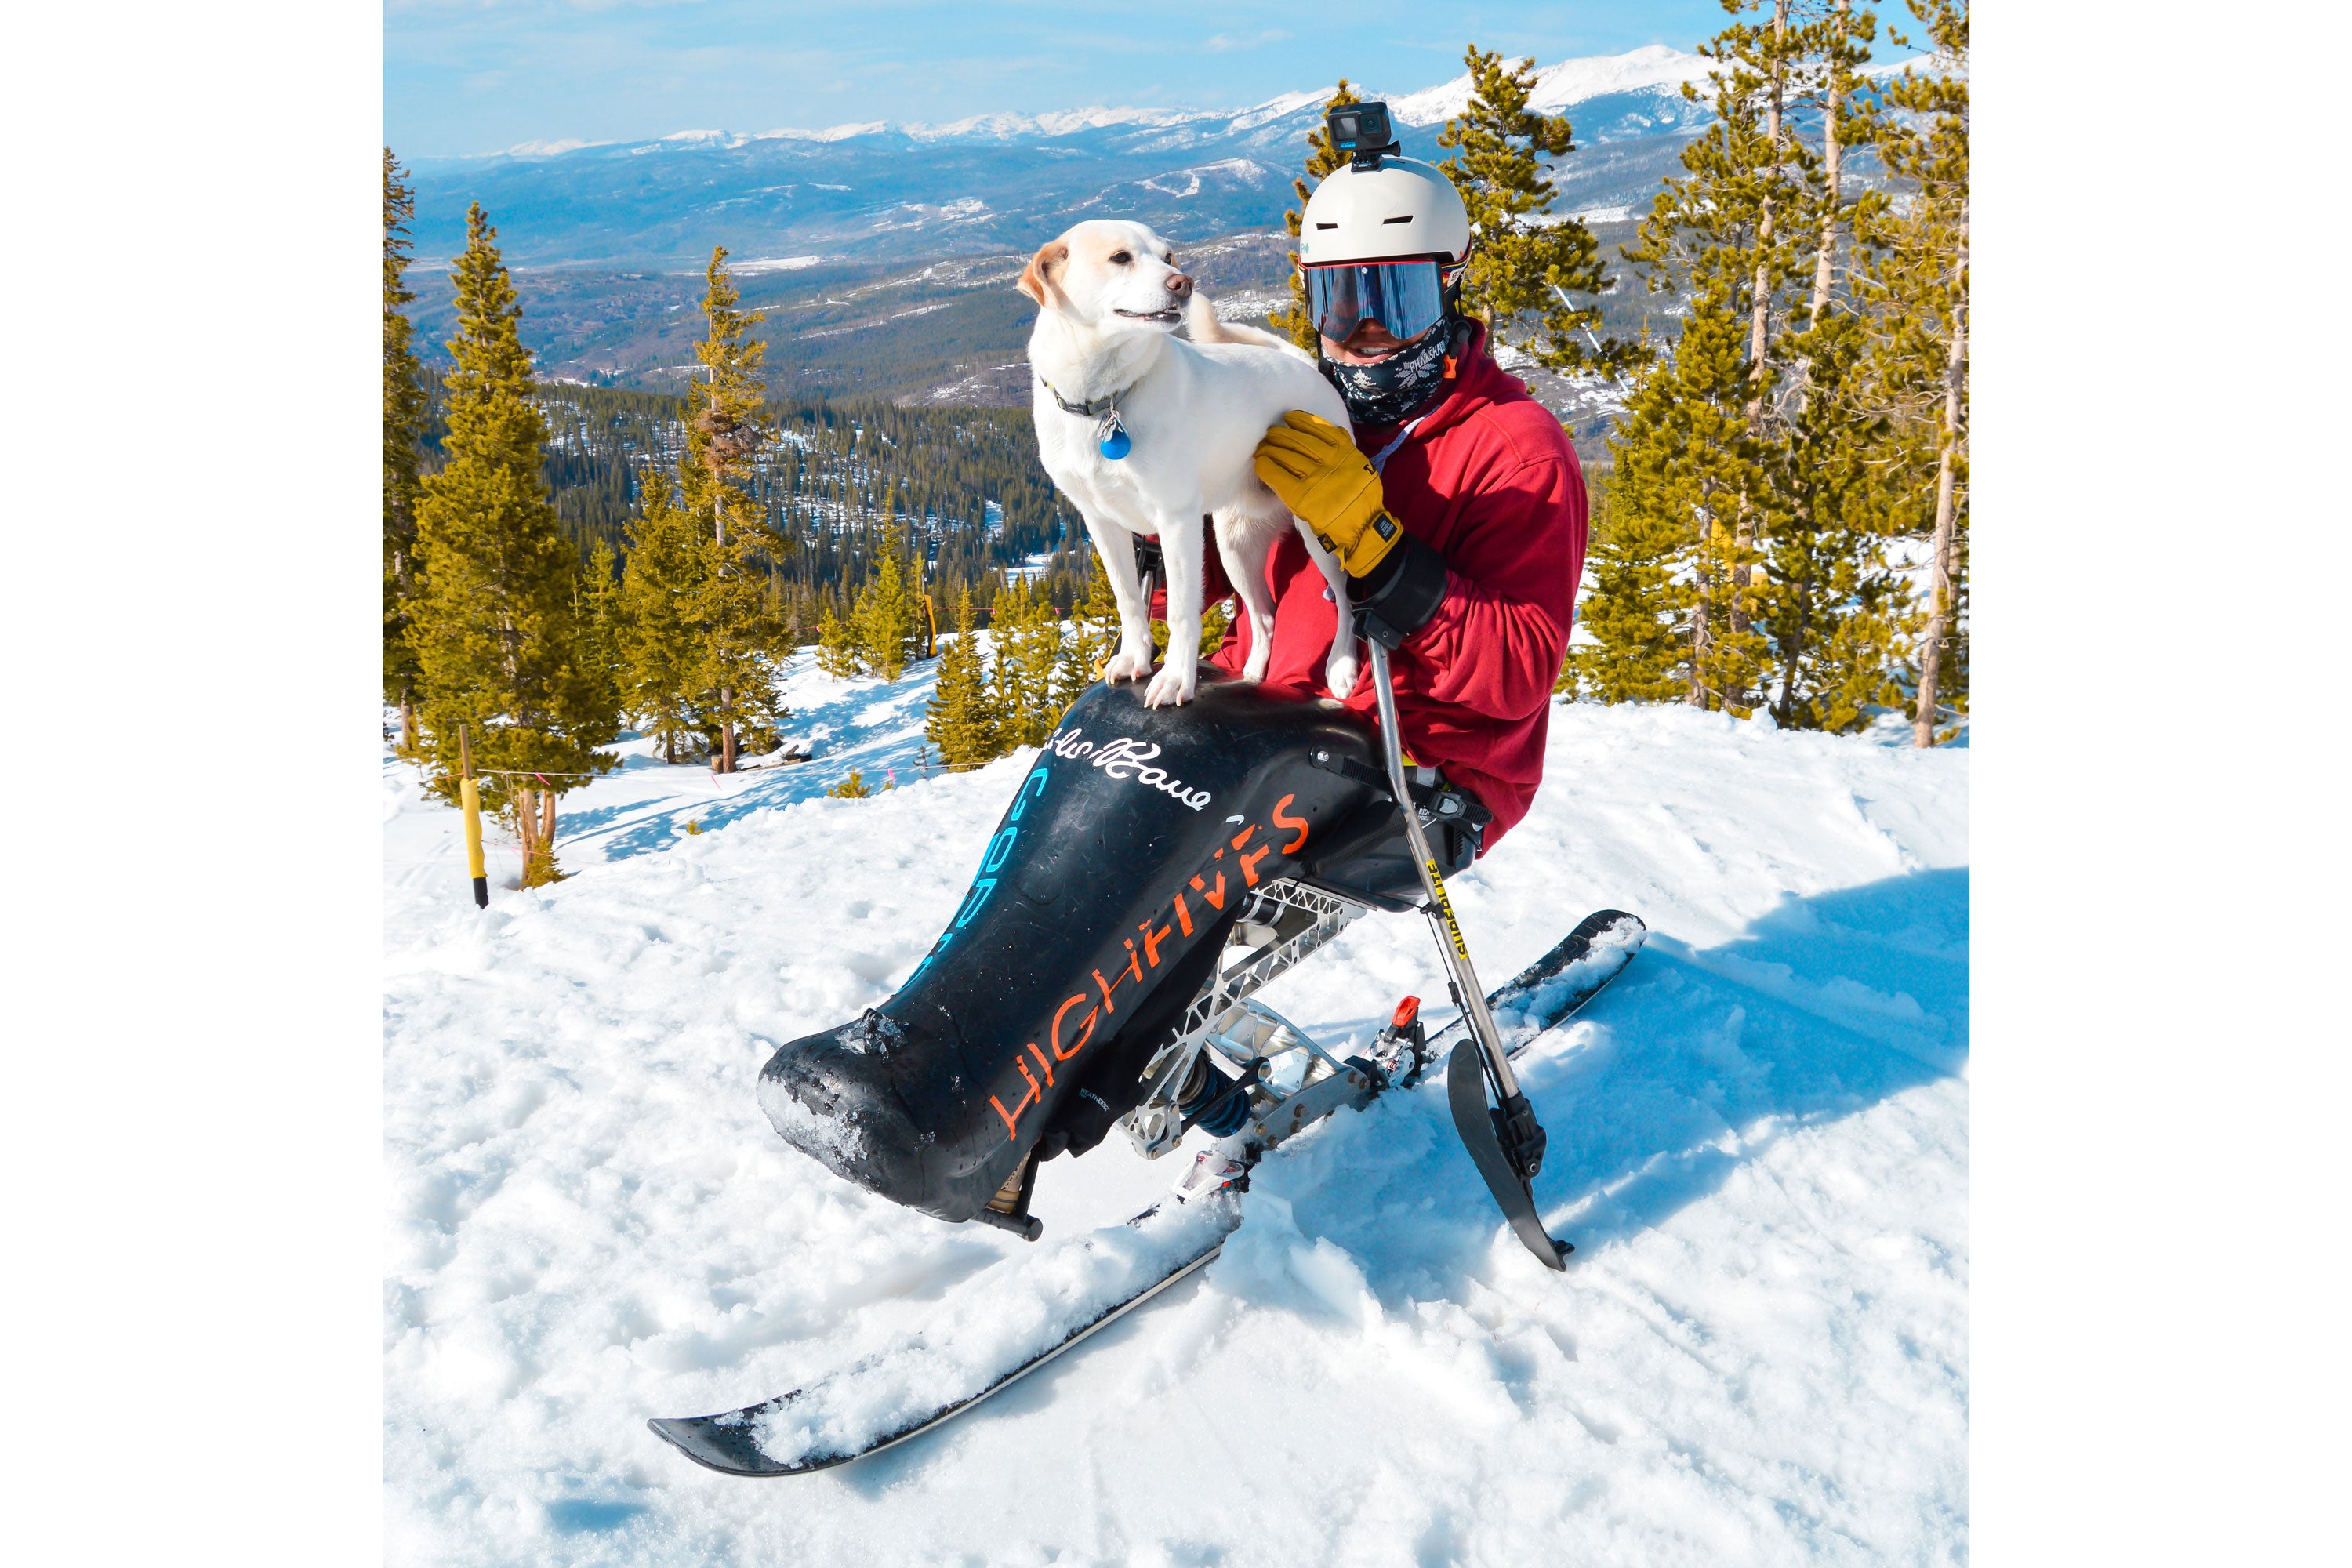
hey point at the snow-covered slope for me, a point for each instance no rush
(1565, 83)
(1759, 1353)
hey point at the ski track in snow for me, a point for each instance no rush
(1759, 1146)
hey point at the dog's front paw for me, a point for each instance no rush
(1170, 689)
(1121, 667)
(1339, 672)
(1254, 668)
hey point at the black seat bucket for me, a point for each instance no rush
(1133, 843)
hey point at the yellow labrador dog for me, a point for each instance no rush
(1150, 434)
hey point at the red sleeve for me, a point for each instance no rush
(1515, 550)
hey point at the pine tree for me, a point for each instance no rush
(1298, 322)
(1637, 612)
(836, 646)
(1701, 454)
(1030, 668)
(960, 723)
(723, 432)
(661, 642)
(1094, 631)
(1837, 611)
(1758, 485)
(497, 636)
(403, 425)
(1920, 359)
(604, 634)
(1524, 254)
(883, 624)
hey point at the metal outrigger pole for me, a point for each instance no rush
(1504, 1141)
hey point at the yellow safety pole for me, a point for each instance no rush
(469, 797)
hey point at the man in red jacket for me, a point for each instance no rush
(1456, 503)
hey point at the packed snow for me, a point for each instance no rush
(1759, 1353)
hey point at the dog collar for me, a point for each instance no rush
(1094, 408)
(1111, 439)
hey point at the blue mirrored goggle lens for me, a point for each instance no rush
(1405, 297)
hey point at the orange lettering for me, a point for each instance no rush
(1041, 1062)
(1243, 837)
(1297, 822)
(1250, 860)
(1108, 1006)
(1183, 915)
(1054, 1038)
(1151, 939)
(1013, 1117)
(1216, 896)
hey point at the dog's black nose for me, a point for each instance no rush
(1180, 285)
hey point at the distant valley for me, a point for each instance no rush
(885, 255)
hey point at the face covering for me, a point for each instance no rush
(1393, 390)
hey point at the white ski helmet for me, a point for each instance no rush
(1403, 207)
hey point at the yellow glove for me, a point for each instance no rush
(1313, 465)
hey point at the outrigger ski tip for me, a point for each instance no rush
(1540, 997)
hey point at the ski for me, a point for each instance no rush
(868, 1407)
(814, 1427)
(1547, 992)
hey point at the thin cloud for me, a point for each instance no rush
(1226, 42)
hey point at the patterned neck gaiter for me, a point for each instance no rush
(1393, 390)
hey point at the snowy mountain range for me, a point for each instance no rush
(993, 181)
(1557, 87)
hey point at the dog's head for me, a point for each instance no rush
(1109, 275)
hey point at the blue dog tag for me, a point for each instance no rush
(1115, 444)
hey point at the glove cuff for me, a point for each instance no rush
(1397, 597)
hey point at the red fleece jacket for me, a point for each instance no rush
(1491, 482)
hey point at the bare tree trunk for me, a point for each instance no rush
(1760, 311)
(1701, 641)
(1760, 303)
(526, 816)
(407, 688)
(1785, 715)
(1931, 644)
(1824, 275)
(1832, 152)
(534, 811)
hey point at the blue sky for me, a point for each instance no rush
(473, 76)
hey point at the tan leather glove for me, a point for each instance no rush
(1313, 465)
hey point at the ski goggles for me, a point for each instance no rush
(1407, 297)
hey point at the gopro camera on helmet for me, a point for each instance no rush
(1361, 131)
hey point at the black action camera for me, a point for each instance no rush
(1361, 131)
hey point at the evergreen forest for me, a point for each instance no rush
(1781, 526)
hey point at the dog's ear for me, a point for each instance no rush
(1038, 280)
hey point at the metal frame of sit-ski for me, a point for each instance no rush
(1291, 1081)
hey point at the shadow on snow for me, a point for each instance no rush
(1692, 1064)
